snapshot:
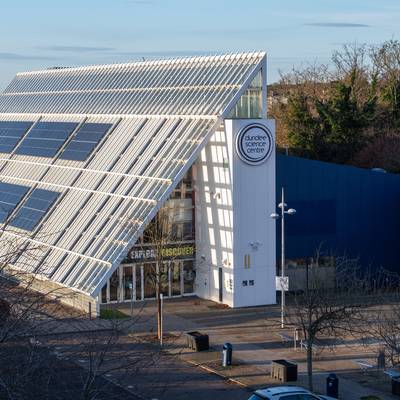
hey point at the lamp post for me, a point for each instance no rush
(282, 205)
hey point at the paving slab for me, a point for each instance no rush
(254, 334)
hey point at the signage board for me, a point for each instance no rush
(282, 283)
(169, 252)
(254, 144)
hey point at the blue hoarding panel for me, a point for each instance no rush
(344, 211)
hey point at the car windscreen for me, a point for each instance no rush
(257, 397)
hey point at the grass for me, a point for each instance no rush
(109, 313)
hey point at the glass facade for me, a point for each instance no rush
(250, 104)
(164, 253)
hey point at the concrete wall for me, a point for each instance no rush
(214, 221)
(87, 305)
(234, 233)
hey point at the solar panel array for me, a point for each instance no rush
(95, 151)
(11, 133)
(45, 138)
(10, 196)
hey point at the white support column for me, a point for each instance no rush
(235, 185)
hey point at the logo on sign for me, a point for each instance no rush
(254, 144)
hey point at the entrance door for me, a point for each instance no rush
(149, 280)
(114, 286)
(175, 275)
(164, 279)
(138, 268)
(221, 282)
(128, 284)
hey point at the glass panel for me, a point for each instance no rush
(250, 104)
(164, 279)
(73, 155)
(138, 282)
(34, 208)
(6, 149)
(114, 283)
(149, 280)
(84, 141)
(10, 196)
(176, 278)
(36, 152)
(104, 294)
(46, 138)
(10, 133)
(189, 276)
(128, 283)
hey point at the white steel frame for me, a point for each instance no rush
(163, 114)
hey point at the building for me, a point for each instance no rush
(343, 212)
(89, 155)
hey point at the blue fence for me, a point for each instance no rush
(343, 210)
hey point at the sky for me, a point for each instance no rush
(37, 34)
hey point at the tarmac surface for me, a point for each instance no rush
(254, 334)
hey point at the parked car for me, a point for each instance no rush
(286, 393)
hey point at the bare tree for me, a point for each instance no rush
(165, 241)
(382, 322)
(328, 309)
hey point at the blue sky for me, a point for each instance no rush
(41, 33)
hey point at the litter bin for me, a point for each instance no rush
(197, 341)
(396, 386)
(284, 371)
(226, 354)
(332, 386)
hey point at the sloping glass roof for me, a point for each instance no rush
(157, 117)
(187, 86)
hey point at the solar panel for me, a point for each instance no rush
(46, 138)
(84, 141)
(163, 114)
(10, 196)
(10, 133)
(33, 210)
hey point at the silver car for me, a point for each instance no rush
(287, 393)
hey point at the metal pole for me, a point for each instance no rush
(132, 297)
(283, 258)
(161, 325)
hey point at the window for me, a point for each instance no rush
(11, 133)
(33, 210)
(189, 275)
(10, 196)
(250, 103)
(84, 141)
(46, 138)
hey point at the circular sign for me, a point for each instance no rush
(254, 144)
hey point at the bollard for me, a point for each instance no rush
(226, 355)
(332, 386)
(381, 361)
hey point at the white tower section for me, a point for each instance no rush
(235, 238)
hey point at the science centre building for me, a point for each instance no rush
(90, 156)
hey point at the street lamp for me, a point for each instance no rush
(282, 205)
